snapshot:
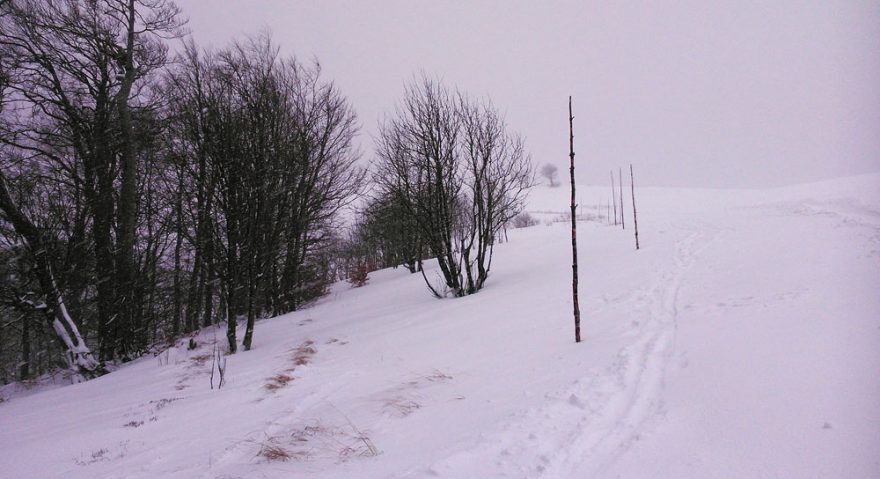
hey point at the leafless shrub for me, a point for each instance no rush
(218, 363)
(459, 175)
(524, 220)
(359, 274)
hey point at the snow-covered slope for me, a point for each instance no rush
(740, 341)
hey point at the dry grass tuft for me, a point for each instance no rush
(438, 376)
(161, 403)
(342, 442)
(307, 433)
(303, 353)
(402, 406)
(201, 359)
(274, 452)
(299, 360)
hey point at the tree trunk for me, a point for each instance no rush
(127, 214)
(24, 369)
(178, 245)
(77, 355)
(574, 250)
(208, 297)
(100, 196)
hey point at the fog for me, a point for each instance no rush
(692, 93)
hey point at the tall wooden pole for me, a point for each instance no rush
(620, 191)
(574, 247)
(632, 184)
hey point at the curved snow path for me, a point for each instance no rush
(580, 430)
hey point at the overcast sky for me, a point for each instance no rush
(696, 93)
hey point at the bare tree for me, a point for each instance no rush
(550, 172)
(79, 67)
(273, 145)
(77, 354)
(459, 175)
(388, 234)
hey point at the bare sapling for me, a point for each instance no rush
(218, 362)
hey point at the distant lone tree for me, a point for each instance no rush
(458, 175)
(550, 172)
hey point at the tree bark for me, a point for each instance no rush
(178, 246)
(24, 369)
(128, 322)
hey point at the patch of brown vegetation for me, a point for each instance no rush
(303, 353)
(278, 381)
(201, 359)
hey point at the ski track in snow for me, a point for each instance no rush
(582, 429)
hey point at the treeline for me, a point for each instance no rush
(144, 195)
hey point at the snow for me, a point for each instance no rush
(740, 341)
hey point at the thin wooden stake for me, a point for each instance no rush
(614, 197)
(574, 250)
(620, 190)
(632, 184)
